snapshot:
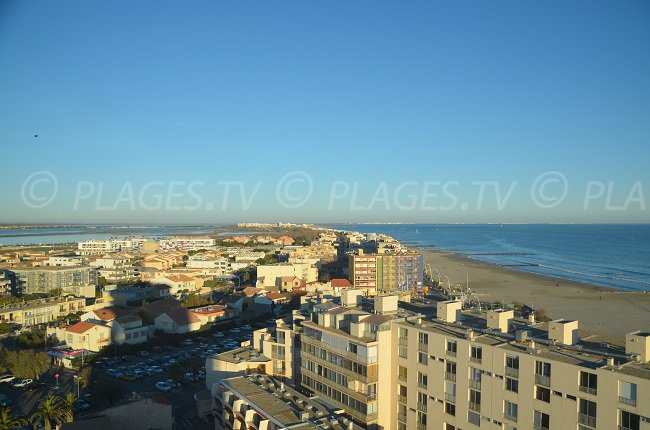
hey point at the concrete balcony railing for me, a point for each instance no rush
(403, 341)
(423, 347)
(510, 417)
(451, 398)
(626, 401)
(402, 399)
(401, 417)
(587, 390)
(422, 385)
(450, 376)
(451, 353)
(587, 420)
(512, 372)
(542, 380)
(476, 407)
(475, 384)
(422, 407)
(476, 360)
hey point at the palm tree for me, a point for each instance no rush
(68, 403)
(8, 421)
(50, 409)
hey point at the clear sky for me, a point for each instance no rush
(324, 111)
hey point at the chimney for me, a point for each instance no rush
(610, 361)
(531, 318)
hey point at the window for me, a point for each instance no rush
(541, 421)
(422, 380)
(423, 358)
(512, 366)
(422, 398)
(630, 421)
(588, 382)
(450, 392)
(474, 418)
(587, 412)
(403, 352)
(403, 333)
(423, 338)
(353, 347)
(402, 373)
(627, 393)
(512, 385)
(475, 378)
(543, 373)
(402, 394)
(452, 346)
(543, 394)
(510, 410)
(476, 354)
(475, 400)
(450, 371)
(450, 409)
(422, 420)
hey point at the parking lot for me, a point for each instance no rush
(140, 373)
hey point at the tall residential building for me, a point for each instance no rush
(91, 247)
(378, 273)
(31, 280)
(40, 311)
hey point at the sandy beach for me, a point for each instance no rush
(598, 309)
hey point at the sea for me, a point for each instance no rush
(610, 255)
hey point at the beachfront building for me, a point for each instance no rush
(93, 247)
(40, 311)
(467, 371)
(31, 280)
(377, 273)
(344, 350)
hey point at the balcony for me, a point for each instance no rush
(401, 417)
(587, 420)
(626, 428)
(587, 390)
(422, 385)
(475, 384)
(401, 377)
(512, 418)
(401, 399)
(423, 347)
(626, 401)
(539, 427)
(403, 341)
(421, 426)
(450, 376)
(476, 360)
(451, 398)
(476, 407)
(451, 353)
(543, 380)
(512, 372)
(422, 407)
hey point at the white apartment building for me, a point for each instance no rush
(187, 243)
(91, 247)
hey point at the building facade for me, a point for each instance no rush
(45, 279)
(377, 273)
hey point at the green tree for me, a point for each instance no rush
(51, 409)
(9, 421)
(6, 328)
(68, 403)
(194, 364)
(109, 390)
(27, 364)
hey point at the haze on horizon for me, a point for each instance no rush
(433, 112)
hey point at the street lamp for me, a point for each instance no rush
(78, 379)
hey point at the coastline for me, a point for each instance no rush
(598, 309)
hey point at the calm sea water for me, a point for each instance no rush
(609, 255)
(37, 236)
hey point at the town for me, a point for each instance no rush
(276, 326)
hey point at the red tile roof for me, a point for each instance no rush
(341, 283)
(81, 327)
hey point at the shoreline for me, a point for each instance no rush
(598, 309)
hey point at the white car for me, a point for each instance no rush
(235, 330)
(163, 386)
(7, 378)
(22, 383)
(187, 342)
(246, 327)
(218, 334)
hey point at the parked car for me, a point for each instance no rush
(190, 377)
(187, 342)
(246, 327)
(80, 405)
(7, 378)
(22, 383)
(235, 330)
(163, 386)
(218, 334)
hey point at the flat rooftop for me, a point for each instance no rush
(240, 355)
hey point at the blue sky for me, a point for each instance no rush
(362, 95)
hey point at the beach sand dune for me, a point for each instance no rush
(599, 309)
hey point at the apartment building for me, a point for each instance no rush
(45, 279)
(282, 346)
(377, 273)
(187, 243)
(93, 247)
(463, 371)
(63, 260)
(260, 402)
(40, 311)
(5, 284)
(344, 350)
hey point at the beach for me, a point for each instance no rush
(598, 309)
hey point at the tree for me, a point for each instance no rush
(109, 390)
(6, 328)
(51, 409)
(27, 364)
(9, 421)
(176, 372)
(68, 403)
(194, 364)
(84, 377)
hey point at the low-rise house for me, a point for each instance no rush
(210, 313)
(177, 321)
(234, 301)
(83, 335)
(177, 283)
